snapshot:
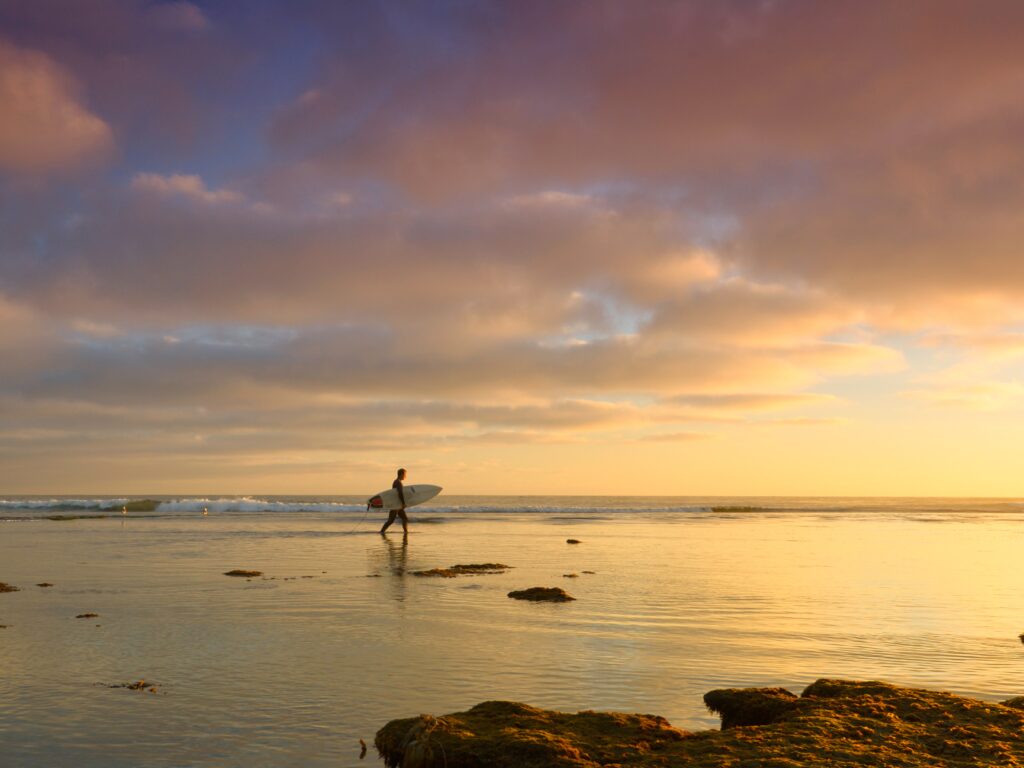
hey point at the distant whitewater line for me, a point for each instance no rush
(247, 504)
(15, 508)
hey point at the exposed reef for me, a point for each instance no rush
(75, 517)
(471, 569)
(836, 723)
(542, 594)
(140, 685)
(141, 505)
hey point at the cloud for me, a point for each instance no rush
(752, 314)
(187, 186)
(978, 396)
(179, 16)
(675, 437)
(478, 226)
(45, 127)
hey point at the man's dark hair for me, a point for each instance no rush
(401, 471)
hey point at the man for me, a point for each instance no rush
(397, 485)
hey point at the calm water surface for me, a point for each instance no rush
(688, 595)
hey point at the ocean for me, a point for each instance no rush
(337, 636)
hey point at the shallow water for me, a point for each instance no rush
(294, 671)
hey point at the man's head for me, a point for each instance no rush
(401, 474)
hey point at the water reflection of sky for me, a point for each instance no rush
(284, 669)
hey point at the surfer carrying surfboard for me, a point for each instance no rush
(400, 512)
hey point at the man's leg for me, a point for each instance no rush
(392, 514)
(405, 521)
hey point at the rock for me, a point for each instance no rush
(472, 569)
(141, 685)
(573, 541)
(503, 734)
(545, 594)
(76, 517)
(590, 572)
(750, 706)
(570, 575)
(8, 588)
(241, 572)
(44, 584)
(87, 616)
(837, 723)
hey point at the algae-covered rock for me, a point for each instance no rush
(834, 723)
(542, 594)
(750, 706)
(504, 733)
(470, 569)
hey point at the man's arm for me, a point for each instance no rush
(401, 492)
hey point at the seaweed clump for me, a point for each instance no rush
(837, 723)
(471, 569)
(542, 594)
(242, 572)
(8, 587)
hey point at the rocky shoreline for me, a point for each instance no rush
(834, 723)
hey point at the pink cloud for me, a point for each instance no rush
(183, 185)
(45, 126)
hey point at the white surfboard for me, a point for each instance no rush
(414, 494)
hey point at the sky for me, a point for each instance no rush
(744, 247)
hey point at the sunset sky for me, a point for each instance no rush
(764, 247)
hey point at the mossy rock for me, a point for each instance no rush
(505, 733)
(835, 723)
(750, 706)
